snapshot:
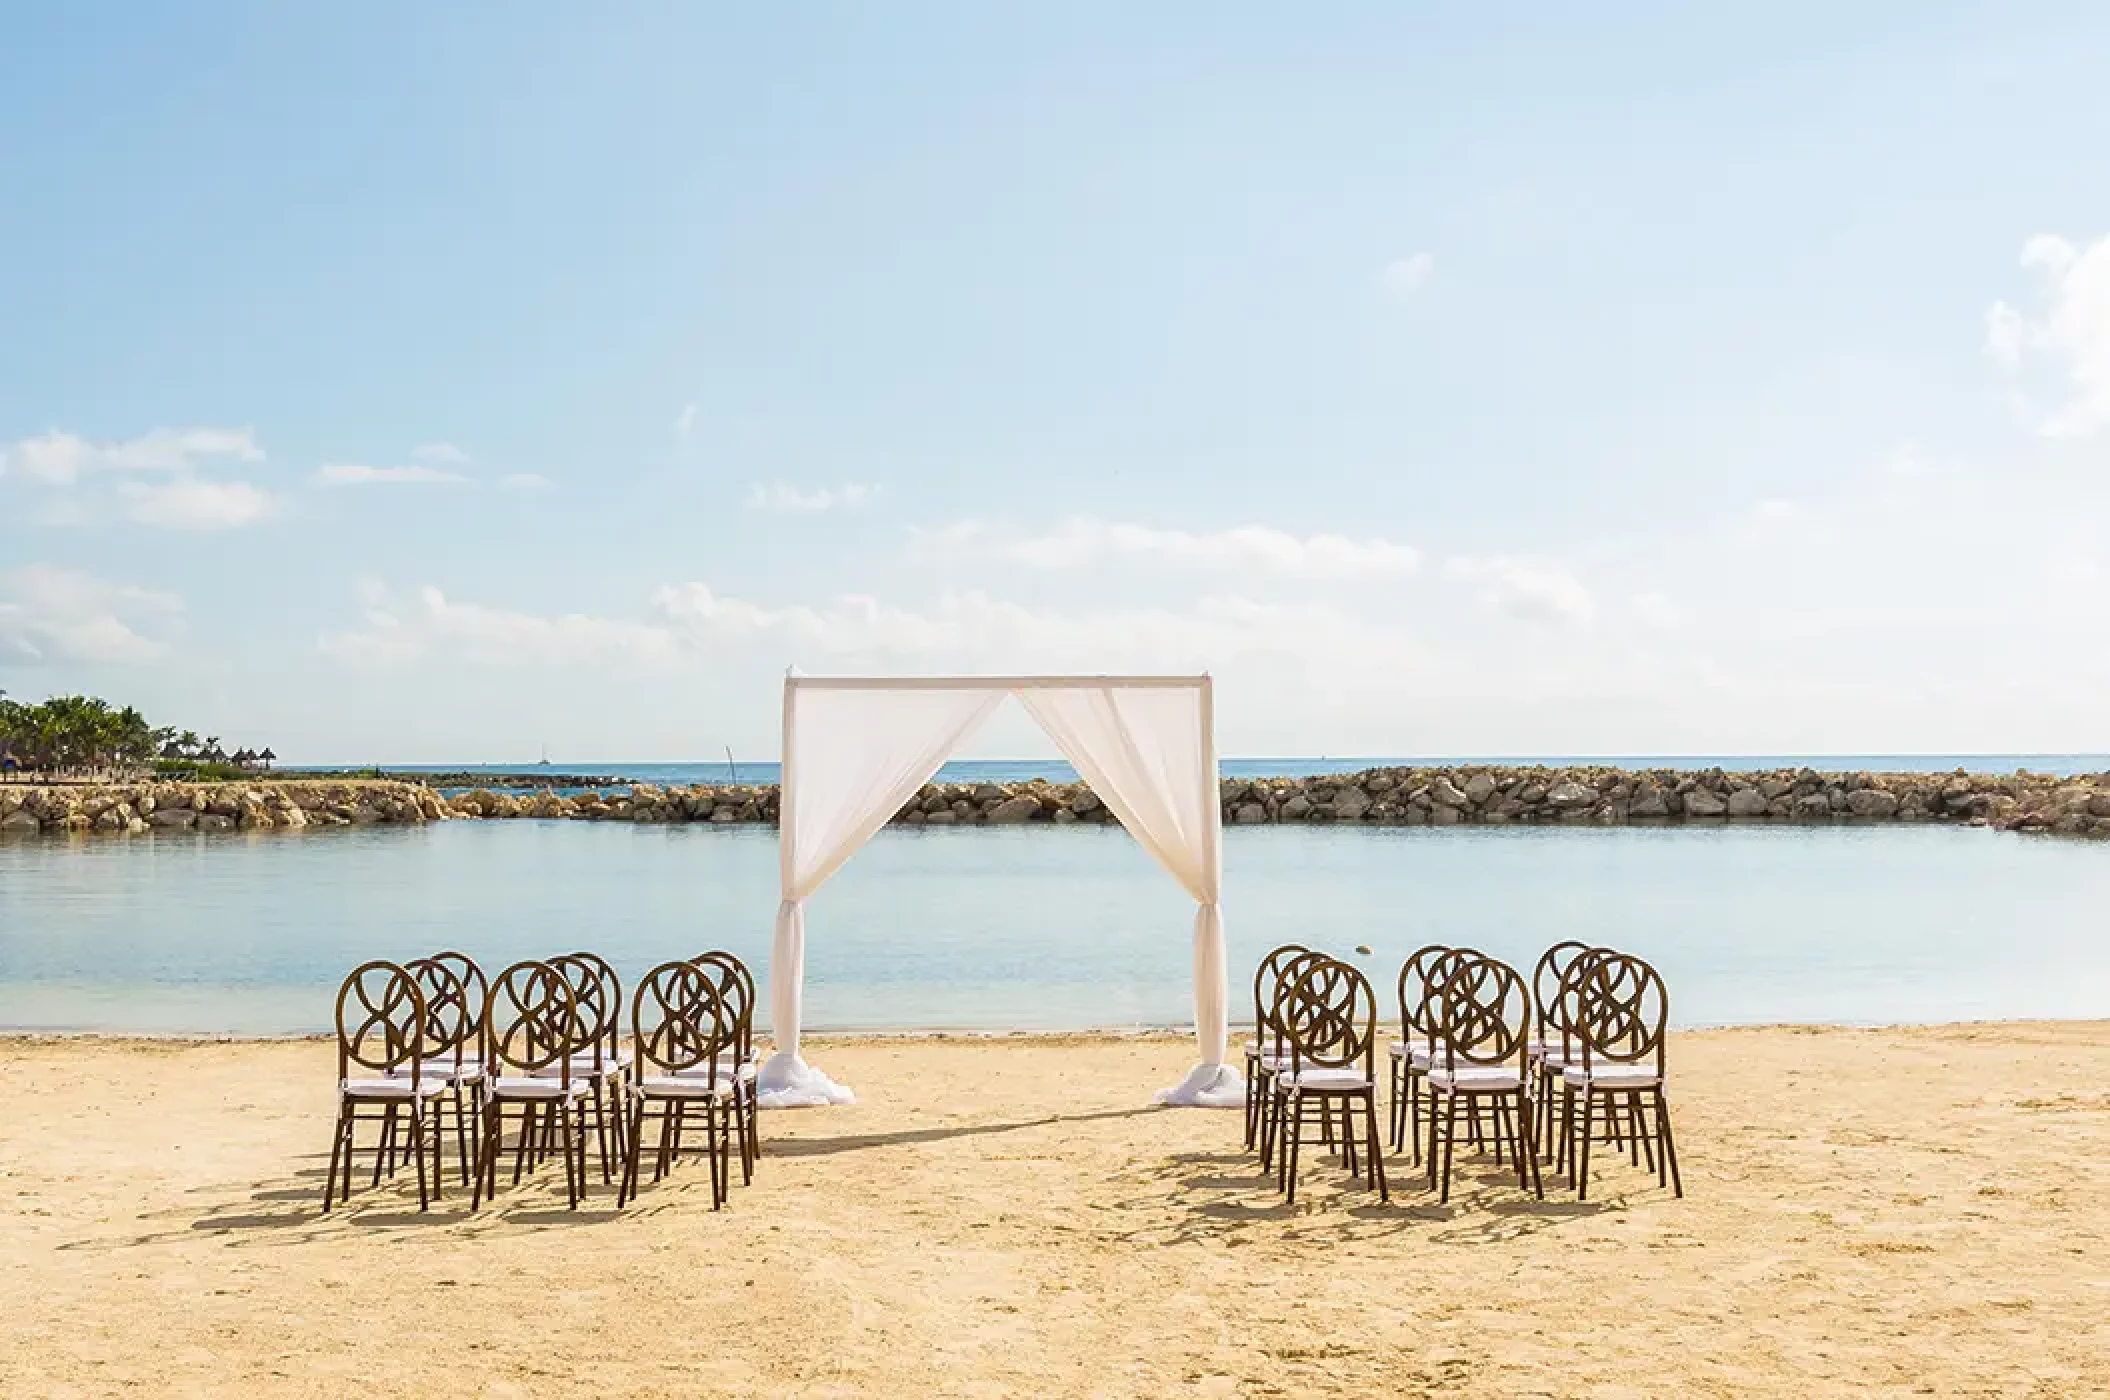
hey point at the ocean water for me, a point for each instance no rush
(1039, 928)
(1018, 770)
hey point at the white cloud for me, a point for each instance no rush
(526, 481)
(347, 474)
(54, 614)
(778, 496)
(1657, 611)
(196, 505)
(1536, 590)
(2068, 341)
(1403, 277)
(692, 627)
(687, 420)
(59, 458)
(1084, 542)
(443, 452)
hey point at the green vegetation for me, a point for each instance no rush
(81, 734)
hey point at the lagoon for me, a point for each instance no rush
(1028, 928)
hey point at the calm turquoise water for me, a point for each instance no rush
(1011, 927)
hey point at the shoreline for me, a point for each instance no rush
(866, 1036)
(1443, 796)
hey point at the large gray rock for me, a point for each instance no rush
(1568, 796)
(1873, 803)
(173, 818)
(988, 792)
(1648, 802)
(1297, 808)
(1446, 794)
(215, 821)
(20, 821)
(1085, 802)
(1249, 814)
(1702, 803)
(1813, 805)
(1747, 802)
(1444, 816)
(1479, 787)
(945, 818)
(1350, 803)
(1013, 810)
(2099, 805)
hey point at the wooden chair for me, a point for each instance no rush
(1409, 1055)
(532, 1031)
(684, 1035)
(453, 1048)
(1550, 1039)
(1622, 1012)
(1274, 1026)
(1480, 1062)
(381, 1052)
(736, 988)
(601, 1062)
(1263, 1054)
(1330, 1021)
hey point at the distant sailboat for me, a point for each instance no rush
(545, 757)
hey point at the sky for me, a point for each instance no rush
(409, 383)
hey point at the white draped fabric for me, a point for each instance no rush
(857, 756)
(1151, 756)
(856, 750)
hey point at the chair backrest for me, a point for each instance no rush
(1546, 980)
(1330, 1018)
(450, 1024)
(736, 986)
(1569, 997)
(1624, 1009)
(1273, 1022)
(1486, 1014)
(680, 1019)
(381, 1022)
(598, 999)
(1414, 1008)
(1436, 979)
(532, 1021)
(1266, 978)
(475, 986)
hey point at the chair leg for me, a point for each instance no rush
(1669, 1143)
(1450, 1140)
(385, 1146)
(1377, 1162)
(417, 1149)
(1414, 1111)
(339, 1146)
(461, 1128)
(1295, 1126)
(1582, 1178)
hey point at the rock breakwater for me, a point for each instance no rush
(1435, 796)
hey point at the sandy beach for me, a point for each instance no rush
(1903, 1211)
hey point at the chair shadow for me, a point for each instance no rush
(1229, 1198)
(830, 1146)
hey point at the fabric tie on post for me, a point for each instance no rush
(785, 1080)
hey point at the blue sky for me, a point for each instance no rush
(430, 383)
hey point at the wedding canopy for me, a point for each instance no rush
(856, 749)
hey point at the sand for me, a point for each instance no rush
(1908, 1211)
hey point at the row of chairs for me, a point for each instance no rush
(1476, 1043)
(543, 1042)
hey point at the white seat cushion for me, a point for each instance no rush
(536, 1087)
(1487, 1079)
(470, 1068)
(391, 1088)
(1332, 1080)
(1612, 1076)
(745, 1069)
(684, 1086)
